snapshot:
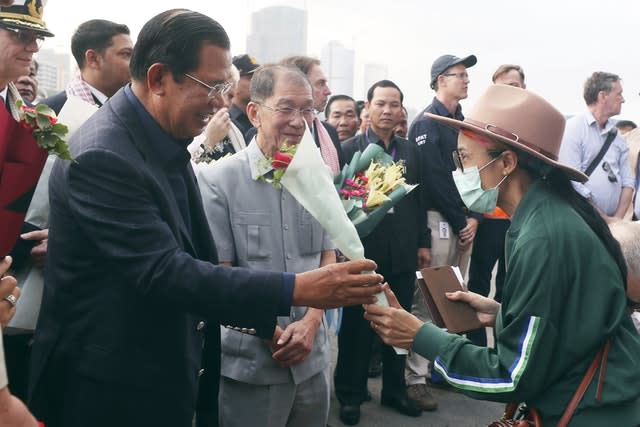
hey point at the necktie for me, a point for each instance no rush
(327, 149)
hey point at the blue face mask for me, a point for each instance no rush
(470, 188)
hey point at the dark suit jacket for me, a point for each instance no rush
(332, 133)
(394, 243)
(127, 285)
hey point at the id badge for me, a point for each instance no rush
(444, 230)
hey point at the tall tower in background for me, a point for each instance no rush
(337, 63)
(374, 72)
(276, 32)
(54, 71)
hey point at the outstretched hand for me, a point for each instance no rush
(337, 285)
(395, 325)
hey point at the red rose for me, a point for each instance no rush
(25, 124)
(281, 160)
(53, 120)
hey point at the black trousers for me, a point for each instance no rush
(488, 247)
(354, 347)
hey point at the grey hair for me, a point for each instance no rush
(627, 233)
(264, 80)
(596, 83)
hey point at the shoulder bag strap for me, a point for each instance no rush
(605, 147)
(600, 359)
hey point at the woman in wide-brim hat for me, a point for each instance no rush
(564, 294)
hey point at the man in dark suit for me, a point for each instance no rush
(398, 245)
(131, 274)
(102, 50)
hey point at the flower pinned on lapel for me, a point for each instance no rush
(279, 163)
(44, 126)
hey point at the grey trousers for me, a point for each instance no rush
(277, 405)
(444, 251)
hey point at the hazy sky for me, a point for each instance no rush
(559, 43)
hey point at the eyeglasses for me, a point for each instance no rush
(25, 38)
(220, 88)
(462, 76)
(457, 158)
(610, 175)
(291, 113)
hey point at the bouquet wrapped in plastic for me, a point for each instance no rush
(309, 180)
(369, 186)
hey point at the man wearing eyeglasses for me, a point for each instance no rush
(285, 379)
(131, 276)
(324, 134)
(453, 228)
(592, 145)
(22, 32)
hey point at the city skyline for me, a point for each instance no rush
(559, 44)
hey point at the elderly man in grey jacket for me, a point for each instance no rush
(284, 381)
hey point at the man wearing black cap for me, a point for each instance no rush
(22, 32)
(246, 65)
(453, 229)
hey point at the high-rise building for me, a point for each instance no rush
(374, 73)
(337, 63)
(54, 71)
(276, 32)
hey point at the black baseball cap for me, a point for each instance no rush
(445, 62)
(245, 64)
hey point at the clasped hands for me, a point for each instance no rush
(398, 327)
(292, 345)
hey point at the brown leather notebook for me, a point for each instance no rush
(457, 317)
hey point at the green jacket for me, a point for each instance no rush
(563, 297)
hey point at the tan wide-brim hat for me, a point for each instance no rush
(521, 119)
